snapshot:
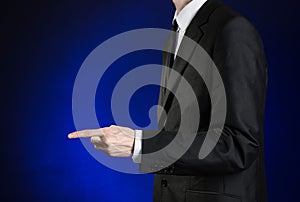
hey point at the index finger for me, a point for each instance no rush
(86, 133)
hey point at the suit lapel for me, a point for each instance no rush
(194, 32)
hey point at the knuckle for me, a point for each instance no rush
(95, 139)
(92, 140)
(114, 127)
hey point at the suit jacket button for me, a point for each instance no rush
(164, 182)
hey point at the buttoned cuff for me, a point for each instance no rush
(137, 150)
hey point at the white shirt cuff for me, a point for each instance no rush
(137, 150)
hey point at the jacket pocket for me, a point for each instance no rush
(207, 196)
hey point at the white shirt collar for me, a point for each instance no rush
(185, 16)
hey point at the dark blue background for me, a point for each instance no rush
(43, 44)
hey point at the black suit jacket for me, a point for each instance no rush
(234, 170)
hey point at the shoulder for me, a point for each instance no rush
(232, 28)
(227, 19)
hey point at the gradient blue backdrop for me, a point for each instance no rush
(43, 44)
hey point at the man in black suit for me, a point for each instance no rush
(234, 170)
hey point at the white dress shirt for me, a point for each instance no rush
(183, 19)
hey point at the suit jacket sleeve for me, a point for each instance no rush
(238, 53)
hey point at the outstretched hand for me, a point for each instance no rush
(115, 140)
